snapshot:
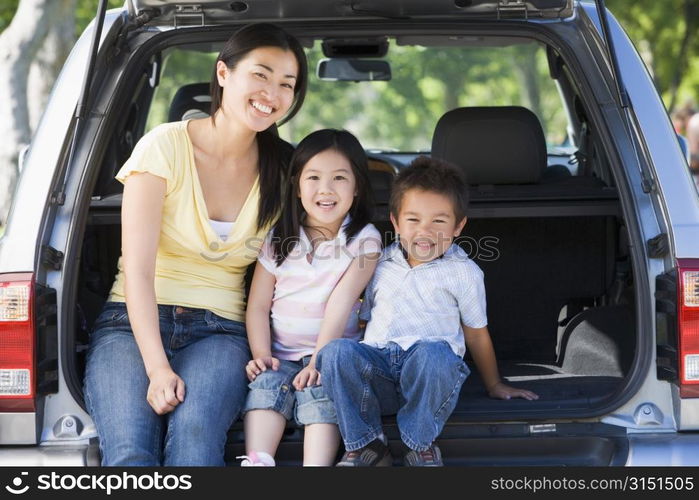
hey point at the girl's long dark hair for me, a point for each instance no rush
(274, 153)
(287, 229)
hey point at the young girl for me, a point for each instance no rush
(311, 270)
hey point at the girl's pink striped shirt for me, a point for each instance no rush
(303, 288)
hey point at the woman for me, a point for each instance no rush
(165, 381)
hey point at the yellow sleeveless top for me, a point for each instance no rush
(194, 267)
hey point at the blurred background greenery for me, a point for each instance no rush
(664, 32)
(84, 12)
(400, 115)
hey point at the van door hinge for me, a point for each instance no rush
(188, 15)
(658, 246)
(512, 9)
(135, 21)
(51, 258)
(58, 198)
(647, 184)
(542, 428)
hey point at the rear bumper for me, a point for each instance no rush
(17, 428)
(673, 449)
(49, 456)
(664, 449)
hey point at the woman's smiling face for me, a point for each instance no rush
(259, 91)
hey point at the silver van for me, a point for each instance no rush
(583, 215)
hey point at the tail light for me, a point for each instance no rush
(688, 313)
(17, 343)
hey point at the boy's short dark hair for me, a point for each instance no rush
(436, 176)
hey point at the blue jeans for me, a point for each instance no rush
(272, 390)
(420, 386)
(207, 351)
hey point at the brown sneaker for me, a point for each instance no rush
(431, 457)
(375, 454)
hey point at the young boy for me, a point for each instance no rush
(424, 298)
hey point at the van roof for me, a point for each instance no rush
(207, 12)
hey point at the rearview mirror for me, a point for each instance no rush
(354, 70)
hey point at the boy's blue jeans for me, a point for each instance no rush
(207, 351)
(420, 386)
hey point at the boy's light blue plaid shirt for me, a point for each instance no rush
(406, 304)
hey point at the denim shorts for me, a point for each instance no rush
(273, 390)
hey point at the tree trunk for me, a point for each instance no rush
(690, 11)
(49, 60)
(524, 60)
(19, 43)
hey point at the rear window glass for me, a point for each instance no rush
(400, 115)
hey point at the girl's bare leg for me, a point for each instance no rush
(320, 444)
(263, 431)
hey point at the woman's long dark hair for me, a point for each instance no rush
(287, 229)
(274, 153)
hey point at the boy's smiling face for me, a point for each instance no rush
(426, 224)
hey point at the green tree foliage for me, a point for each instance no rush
(665, 32)
(427, 82)
(400, 114)
(7, 10)
(84, 12)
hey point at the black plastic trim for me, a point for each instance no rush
(46, 327)
(666, 326)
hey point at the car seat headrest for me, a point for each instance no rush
(190, 101)
(493, 145)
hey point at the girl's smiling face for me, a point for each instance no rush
(327, 188)
(259, 91)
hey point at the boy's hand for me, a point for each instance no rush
(259, 365)
(504, 391)
(306, 378)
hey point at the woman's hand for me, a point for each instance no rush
(259, 365)
(500, 390)
(166, 390)
(306, 378)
